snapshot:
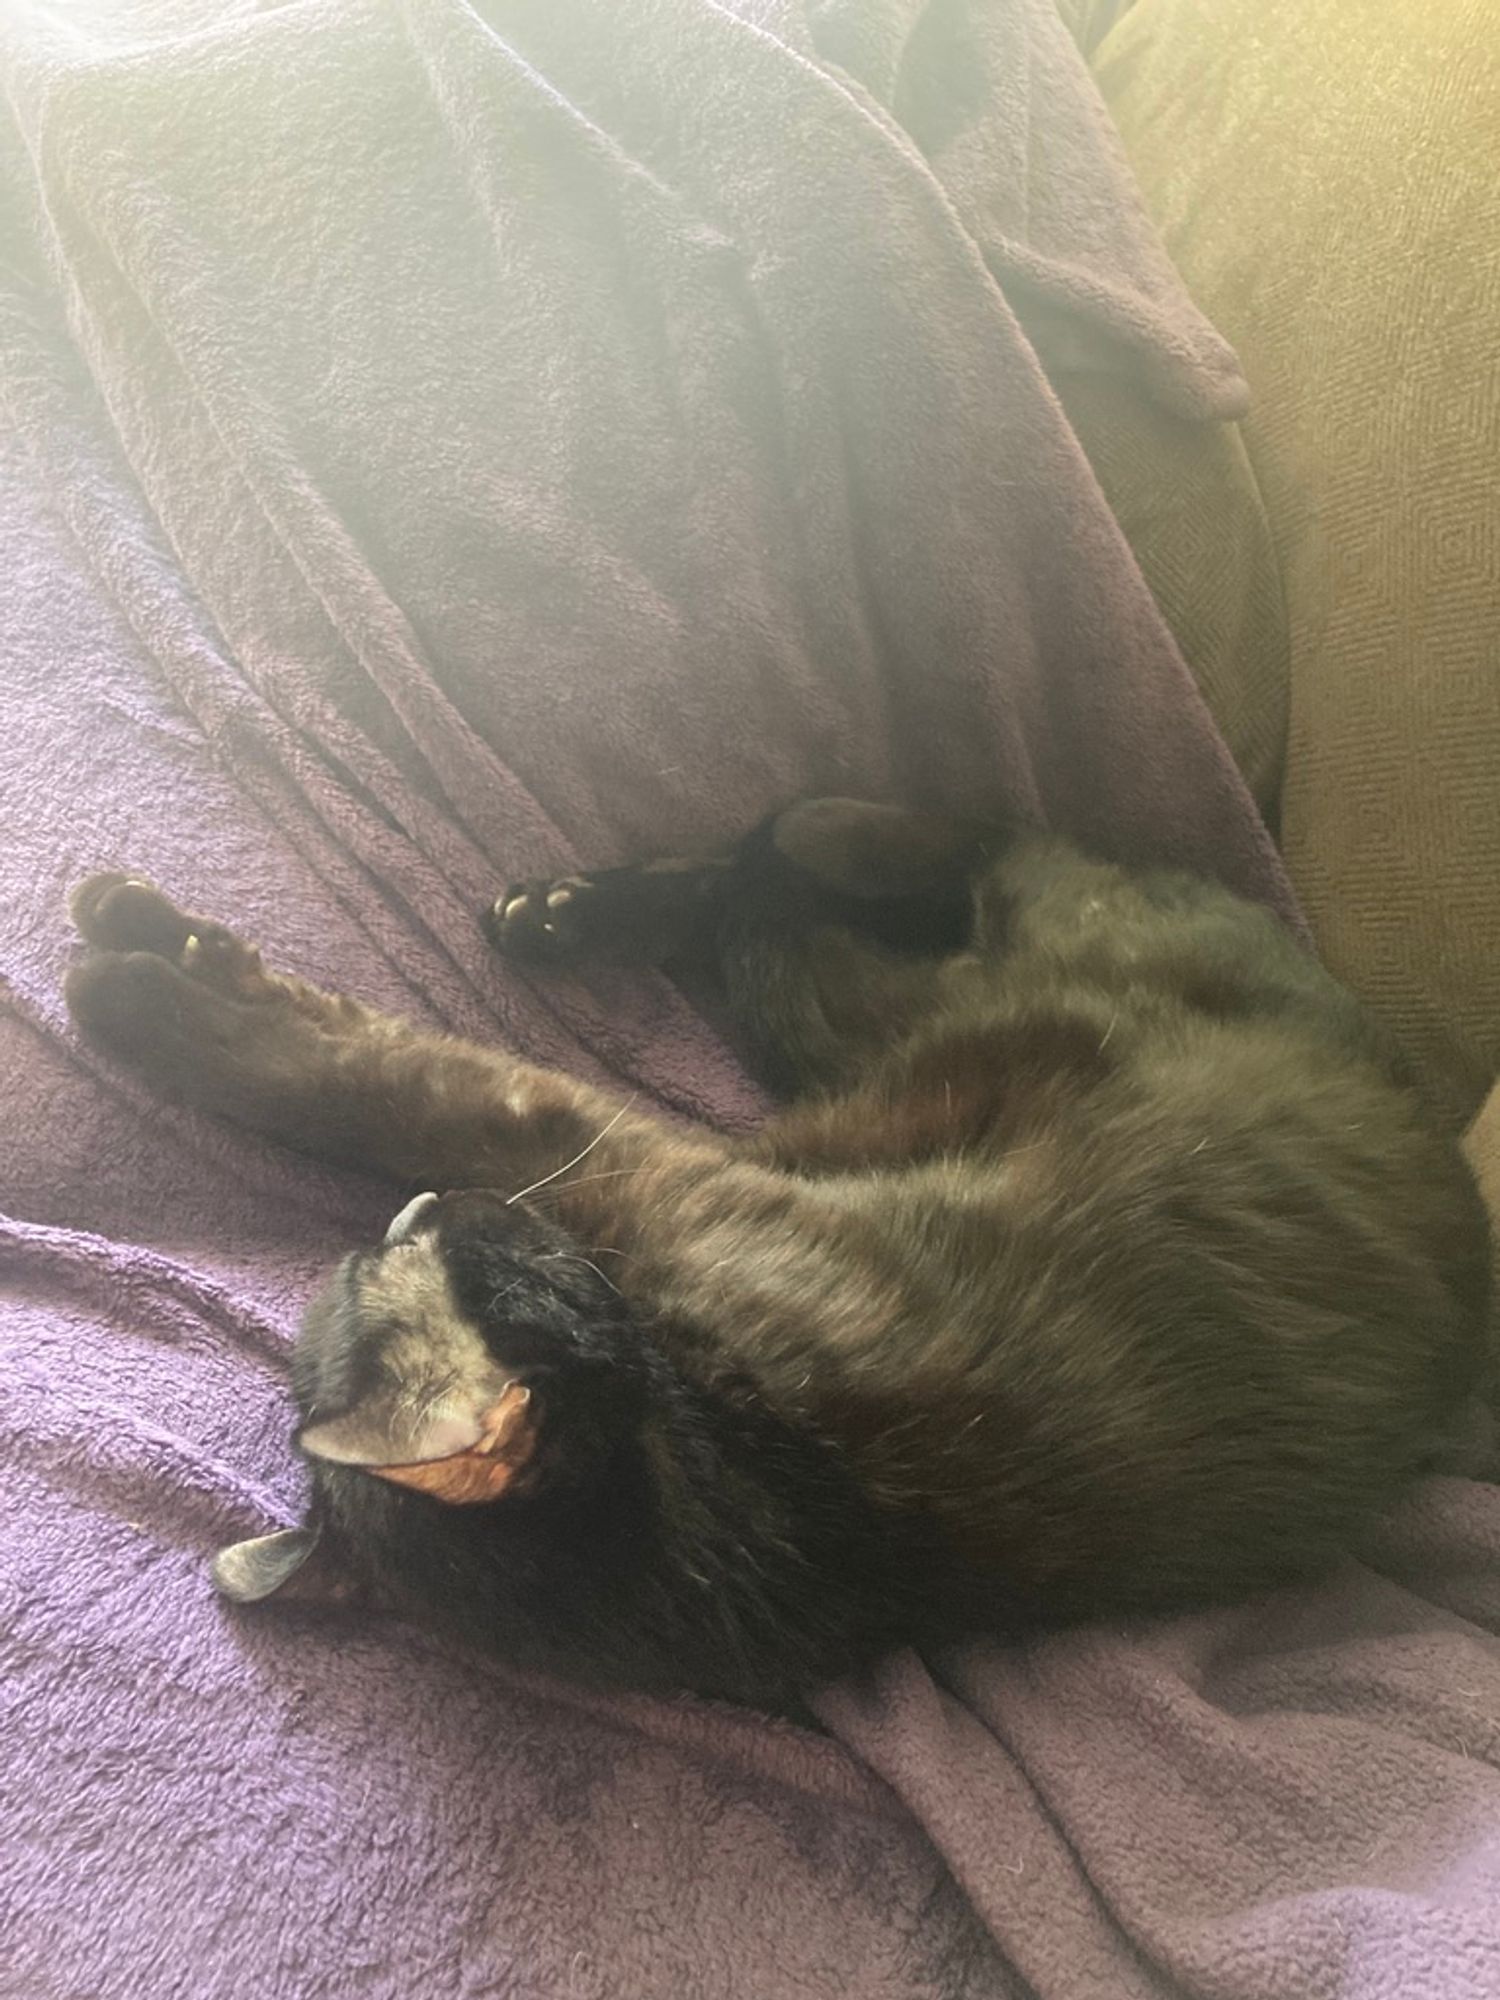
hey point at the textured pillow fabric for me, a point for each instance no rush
(1186, 497)
(1324, 172)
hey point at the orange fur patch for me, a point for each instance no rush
(485, 1470)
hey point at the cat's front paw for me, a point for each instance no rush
(159, 988)
(118, 912)
(125, 914)
(544, 921)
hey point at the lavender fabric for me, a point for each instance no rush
(444, 442)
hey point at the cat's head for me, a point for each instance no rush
(477, 1355)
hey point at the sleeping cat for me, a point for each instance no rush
(1103, 1262)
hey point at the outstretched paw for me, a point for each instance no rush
(165, 991)
(124, 914)
(116, 912)
(545, 921)
(643, 915)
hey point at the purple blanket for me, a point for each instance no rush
(445, 441)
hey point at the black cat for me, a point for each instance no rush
(1105, 1263)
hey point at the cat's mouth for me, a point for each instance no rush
(483, 1470)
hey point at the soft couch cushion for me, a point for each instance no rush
(1325, 174)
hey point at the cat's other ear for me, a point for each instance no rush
(296, 1565)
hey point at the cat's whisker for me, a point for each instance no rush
(558, 1172)
(584, 1180)
(500, 1296)
(574, 1257)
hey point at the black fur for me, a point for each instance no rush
(1106, 1261)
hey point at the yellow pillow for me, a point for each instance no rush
(1325, 175)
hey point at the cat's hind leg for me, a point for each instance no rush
(821, 1003)
(824, 926)
(832, 930)
(881, 854)
(646, 914)
(900, 876)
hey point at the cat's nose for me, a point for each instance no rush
(405, 1224)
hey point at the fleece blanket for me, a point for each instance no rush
(446, 441)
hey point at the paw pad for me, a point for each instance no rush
(539, 919)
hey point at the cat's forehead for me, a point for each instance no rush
(407, 1302)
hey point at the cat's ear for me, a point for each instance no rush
(467, 1448)
(383, 1430)
(296, 1565)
